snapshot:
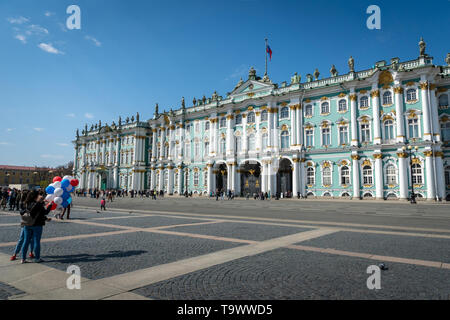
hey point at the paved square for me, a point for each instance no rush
(199, 248)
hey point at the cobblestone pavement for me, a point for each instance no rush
(199, 248)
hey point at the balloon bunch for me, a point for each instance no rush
(58, 192)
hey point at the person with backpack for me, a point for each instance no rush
(33, 218)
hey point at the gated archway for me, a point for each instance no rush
(250, 178)
(284, 177)
(221, 177)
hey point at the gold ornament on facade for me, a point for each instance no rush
(341, 95)
(353, 97)
(284, 103)
(428, 153)
(308, 100)
(363, 91)
(326, 165)
(324, 98)
(424, 85)
(385, 78)
(375, 93)
(378, 156)
(398, 90)
(367, 163)
(250, 94)
(442, 89)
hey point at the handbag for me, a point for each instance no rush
(27, 218)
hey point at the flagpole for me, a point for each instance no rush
(266, 58)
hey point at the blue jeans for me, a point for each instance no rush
(34, 233)
(20, 242)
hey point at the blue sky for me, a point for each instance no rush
(129, 55)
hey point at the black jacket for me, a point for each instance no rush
(38, 211)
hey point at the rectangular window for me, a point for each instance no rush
(326, 138)
(343, 134)
(365, 133)
(413, 126)
(309, 137)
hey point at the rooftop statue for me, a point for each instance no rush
(137, 116)
(333, 71)
(295, 78)
(252, 74)
(316, 74)
(182, 103)
(422, 47)
(99, 124)
(127, 120)
(215, 96)
(351, 64)
(194, 101)
(78, 134)
(447, 59)
(132, 119)
(156, 110)
(120, 121)
(204, 99)
(309, 77)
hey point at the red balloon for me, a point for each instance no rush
(74, 182)
(57, 178)
(54, 205)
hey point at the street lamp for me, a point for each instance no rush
(410, 151)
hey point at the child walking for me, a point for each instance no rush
(103, 204)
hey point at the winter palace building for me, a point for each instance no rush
(378, 133)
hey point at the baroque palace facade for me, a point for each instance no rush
(378, 133)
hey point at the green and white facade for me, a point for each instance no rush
(342, 136)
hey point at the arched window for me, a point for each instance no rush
(195, 178)
(325, 108)
(367, 175)
(265, 138)
(310, 176)
(445, 131)
(264, 115)
(345, 175)
(238, 144)
(285, 139)
(223, 122)
(387, 98)
(342, 106)
(309, 110)
(413, 127)
(284, 113)
(364, 102)
(206, 150)
(326, 176)
(391, 174)
(238, 119)
(309, 134)
(443, 100)
(251, 142)
(251, 117)
(207, 125)
(389, 130)
(416, 173)
(411, 95)
(222, 145)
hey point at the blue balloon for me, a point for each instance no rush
(69, 201)
(64, 204)
(65, 195)
(50, 190)
(65, 183)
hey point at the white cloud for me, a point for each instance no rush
(62, 144)
(52, 156)
(21, 38)
(19, 20)
(48, 13)
(95, 41)
(38, 129)
(9, 129)
(4, 143)
(71, 115)
(89, 115)
(36, 29)
(47, 47)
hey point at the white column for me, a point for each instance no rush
(355, 172)
(375, 94)
(162, 141)
(354, 123)
(403, 175)
(299, 124)
(233, 178)
(302, 177)
(269, 179)
(230, 140)
(440, 174)
(258, 132)
(171, 140)
(379, 175)
(244, 134)
(154, 135)
(210, 184)
(161, 179)
(211, 137)
(275, 130)
(237, 181)
(153, 179)
(399, 119)
(426, 111)
(435, 113)
(97, 151)
(270, 128)
(431, 191)
(264, 176)
(170, 182)
(293, 132)
(295, 178)
(180, 180)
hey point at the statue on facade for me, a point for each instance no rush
(156, 110)
(137, 116)
(194, 102)
(351, 64)
(92, 127)
(316, 74)
(182, 103)
(295, 78)
(204, 99)
(422, 47)
(95, 127)
(214, 96)
(447, 59)
(252, 74)
(127, 120)
(309, 77)
(120, 121)
(78, 134)
(132, 119)
(333, 71)
(83, 132)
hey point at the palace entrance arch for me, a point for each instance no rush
(250, 178)
(284, 177)
(221, 177)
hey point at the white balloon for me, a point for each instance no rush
(58, 192)
(57, 184)
(58, 200)
(50, 197)
(66, 177)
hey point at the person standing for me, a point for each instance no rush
(68, 212)
(103, 204)
(38, 212)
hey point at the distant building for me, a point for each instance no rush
(346, 135)
(32, 176)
